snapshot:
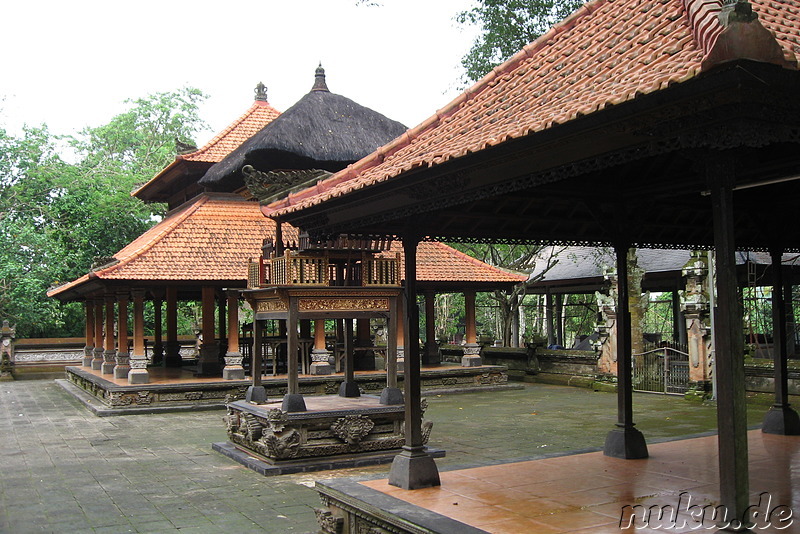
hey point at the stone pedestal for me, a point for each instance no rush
(430, 353)
(320, 362)
(414, 468)
(782, 420)
(88, 356)
(401, 359)
(390, 396)
(208, 360)
(472, 355)
(233, 367)
(172, 356)
(123, 366)
(109, 362)
(293, 402)
(626, 443)
(97, 360)
(256, 395)
(138, 373)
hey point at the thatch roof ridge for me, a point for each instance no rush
(326, 129)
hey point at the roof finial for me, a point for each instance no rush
(261, 92)
(319, 80)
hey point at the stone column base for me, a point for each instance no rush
(88, 356)
(414, 468)
(320, 362)
(109, 362)
(138, 373)
(472, 355)
(172, 358)
(781, 419)
(208, 360)
(293, 402)
(97, 360)
(233, 367)
(430, 354)
(625, 443)
(123, 367)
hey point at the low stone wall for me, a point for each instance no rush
(760, 376)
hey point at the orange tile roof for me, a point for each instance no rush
(606, 53)
(253, 120)
(212, 237)
(437, 262)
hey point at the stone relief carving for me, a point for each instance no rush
(352, 428)
(281, 446)
(328, 523)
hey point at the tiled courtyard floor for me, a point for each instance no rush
(64, 470)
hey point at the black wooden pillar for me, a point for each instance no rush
(413, 468)
(293, 401)
(256, 392)
(548, 314)
(625, 441)
(349, 388)
(391, 394)
(728, 346)
(781, 418)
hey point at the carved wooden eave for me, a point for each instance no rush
(272, 185)
(554, 186)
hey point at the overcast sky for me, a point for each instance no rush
(72, 64)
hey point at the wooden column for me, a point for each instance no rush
(728, 346)
(172, 356)
(97, 360)
(256, 393)
(548, 313)
(349, 388)
(123, 366)
(391, 394)
(363, 358)
(158, 342)
(781, 418)
(625, 441)
(233, 358)
(208, 359)
(559, 319)
(472, 351)
(430, 356)
(109, 343)
(88, 350)
(293, 400)
(413, 468)
(138, 361)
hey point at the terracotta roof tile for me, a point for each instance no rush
(606, 53)
(253, 120)
(212, 238)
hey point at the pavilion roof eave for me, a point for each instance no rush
(727, 108)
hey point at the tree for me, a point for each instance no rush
(533, 260)
(56, 215)
(507, 26)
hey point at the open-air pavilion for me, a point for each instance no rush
(646, 123)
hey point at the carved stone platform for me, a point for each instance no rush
(334, 432)
(173, 389)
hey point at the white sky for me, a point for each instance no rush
(72, 64)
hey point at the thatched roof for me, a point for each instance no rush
(322, 130)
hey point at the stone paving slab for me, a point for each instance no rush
(62, 469)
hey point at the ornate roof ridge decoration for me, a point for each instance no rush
(606, 53)
(319, 80)
(261, 92)
(270, 185)
(738, 35)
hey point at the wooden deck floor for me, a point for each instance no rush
(586, 493)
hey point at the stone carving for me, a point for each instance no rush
(281, 446)
(328, 523)
(277, 419)
(250, 428)
(271, 305)
(352, 428)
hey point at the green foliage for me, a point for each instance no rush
(507, 26)
(58, 217)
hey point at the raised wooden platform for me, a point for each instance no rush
(180, 390)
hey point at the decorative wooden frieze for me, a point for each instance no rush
(271, 305)
(344, 304)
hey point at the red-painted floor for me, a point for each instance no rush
(586, 493)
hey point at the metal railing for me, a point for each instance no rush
(661, 370)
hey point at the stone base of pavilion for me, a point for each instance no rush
(176, 389)
(586, 493)
(333, 433)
